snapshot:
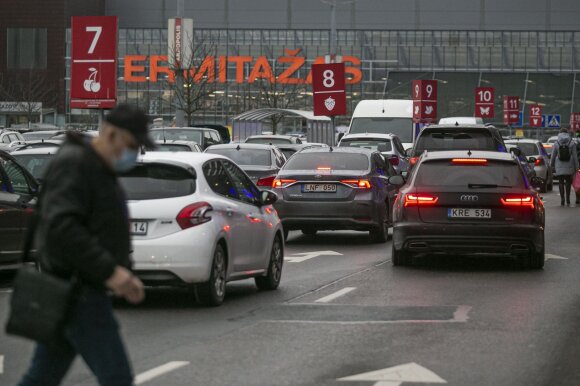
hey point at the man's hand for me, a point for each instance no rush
(126, 285)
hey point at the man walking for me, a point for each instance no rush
(83, 235)
(565, 160)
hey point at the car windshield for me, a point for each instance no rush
(328, 161)
(455, 139)
(402, 127)
(172, 147)
(177, 134)
(446, 174)
(156, 181)
(37, 136)
(246, 157)
(530, 149)
(288, 152)
(382, 145)
(36, 164)
(267, 141)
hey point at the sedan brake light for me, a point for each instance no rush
(266, 181)
(194, 214)
(420, 199)
(363, 184)
(525, 200)
(281, 183)
(413, 160)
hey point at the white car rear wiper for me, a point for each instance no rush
(474, 186)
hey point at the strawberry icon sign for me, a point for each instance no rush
(91, 84)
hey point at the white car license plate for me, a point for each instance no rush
(319, 188)
(468, 213)
(138, 228)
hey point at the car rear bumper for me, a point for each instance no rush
(514, 240)
(184, 256)
(332, 215)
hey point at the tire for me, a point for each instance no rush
(380, 234)
(272, 279)
(212, 292)
(551, 184)
(399, 258)
(309, 232)
(537, 259)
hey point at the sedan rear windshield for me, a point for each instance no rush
(36, 164)
(455, 140)
(245, 156)
(529, 149)
(156, 181)
(171, 147)
(328, 161)
(267, 141)
(446, 174)
(382, 145)
(177, 134)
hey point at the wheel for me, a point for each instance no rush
(212, 292)
(272, 280)
(399, 257)
(380, 234)
(537, 259)
(309, 231)
(551, 184)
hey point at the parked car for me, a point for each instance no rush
(178, 145)
(260, 162)
(389, 145)
(202, 136)
(289, 149)
(18, 195)
(10, 140)
(456, 137)
(336, 188)
(539, 158)
(468, 203)
(273, 139)
(40, 144)
(223, 130)
(522, 157)
(35, 160)
(41, 135)
(198, 221)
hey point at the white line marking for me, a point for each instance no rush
(158, 371)
(555, 257)
(335, 295)
(1, 364)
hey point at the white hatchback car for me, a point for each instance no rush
(197, 220)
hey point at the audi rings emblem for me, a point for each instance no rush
(469, 197)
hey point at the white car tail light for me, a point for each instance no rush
(194, 214)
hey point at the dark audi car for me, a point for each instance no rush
(468, 203)
(336, 188)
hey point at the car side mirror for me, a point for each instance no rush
(268, 197)
(532, 160)
(397, 180)
(517, 152)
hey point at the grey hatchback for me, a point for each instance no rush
(336, 188)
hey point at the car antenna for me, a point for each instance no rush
(469, 153)
(456, 123)
(164, 140)
(331, 149)
(238, 148)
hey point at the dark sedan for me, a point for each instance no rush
(468, 203)
(336, 188)
(260, 162)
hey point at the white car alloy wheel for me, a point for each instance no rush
(212, 292)
(272, 280)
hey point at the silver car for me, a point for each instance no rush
(389, 145)
(536, 152)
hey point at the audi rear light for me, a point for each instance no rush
(520, 201)
(362, 184)
(420, 199)
(413, 160)
(394, 160)
(469, 161)
(266, 181)
(194, 214)
(280, 183)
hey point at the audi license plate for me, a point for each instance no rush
(138, 228)
(319, 188)
(468, 213)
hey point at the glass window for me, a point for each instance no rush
(328, 161)
(218, 180)
(402, 127)
(529, 149)
(269, 141)
(382, 145)
(443, 173)
(247, 191)
(26, 48)
(245, 156)
(36, 164)
(157, 181)
(454, 139)
(177, 134)
(16, 177)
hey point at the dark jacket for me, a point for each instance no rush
(83, 225)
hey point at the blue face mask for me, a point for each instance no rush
(127, 161)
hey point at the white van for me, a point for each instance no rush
(385, 116)
(461, 121)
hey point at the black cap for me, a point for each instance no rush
(131, 118)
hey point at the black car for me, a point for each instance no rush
(468, 203)
(456, 137)
(18, 193)
(336, 188)
(202, 136)
(260, 162)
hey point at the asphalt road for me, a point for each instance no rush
(347, 311)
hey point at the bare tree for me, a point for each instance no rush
(28, 88)
(194, 78)
(273, 94)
